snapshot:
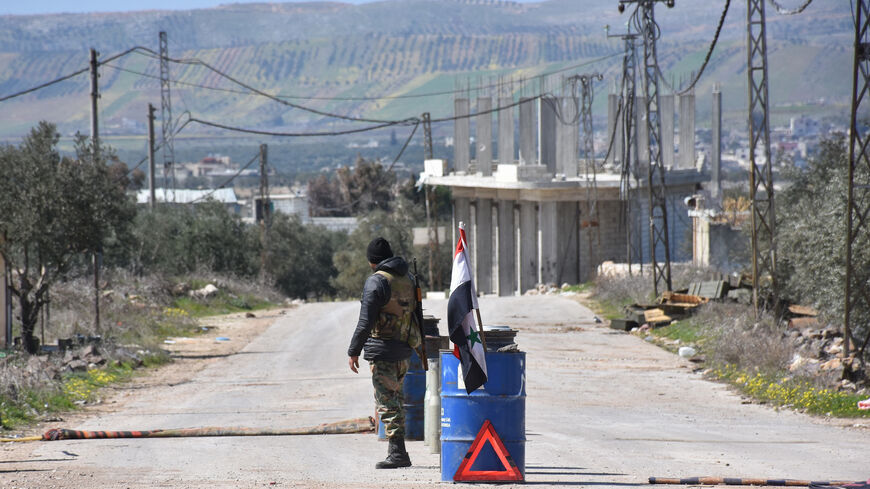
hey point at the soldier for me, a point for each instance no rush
(385, 330)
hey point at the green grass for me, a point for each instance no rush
(796, 393)
(221, 304)
(584, 287)
(73, 390)
(686, 330)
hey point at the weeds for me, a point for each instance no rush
(797, 393)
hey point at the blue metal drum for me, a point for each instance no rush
(502, 400)
(414, 390)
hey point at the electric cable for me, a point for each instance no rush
(784, 11)
(199, 62)
(67, 76)
(370, 98)
(228, 181)
(293, 134)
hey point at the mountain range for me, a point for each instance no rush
(385, 60)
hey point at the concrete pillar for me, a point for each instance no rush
(461, 213)
(5, 317)
(687, 131)
(461, 132)
(642, 134)
(587, 251)
(484, 136)
(547, 132)
(666, 116)
(528, 153)
(506, 152)
(483, 251)
(716, 156)
(506, 248)
(567, 140)
(528, 245)
(548, 243)
(614, 118)
(568, 258)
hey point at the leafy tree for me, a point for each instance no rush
(52, 210)
(324, 198)
(350, 260)
(811, 235)
(206, 236)
(300, 257)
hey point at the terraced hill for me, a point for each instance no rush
(395, 48)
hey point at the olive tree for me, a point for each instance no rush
(53, 210)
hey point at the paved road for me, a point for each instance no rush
(603, 409)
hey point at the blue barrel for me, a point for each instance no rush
(502, 400)
(414, 390)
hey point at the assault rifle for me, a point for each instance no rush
(418, 318)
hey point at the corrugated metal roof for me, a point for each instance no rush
(186, 196)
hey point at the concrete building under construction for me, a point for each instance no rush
(530, 206)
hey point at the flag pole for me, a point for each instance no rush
(480, 327)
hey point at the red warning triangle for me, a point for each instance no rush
(487, 433)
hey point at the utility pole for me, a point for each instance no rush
(431, 219)
(95, 94)
(152, 200)
(168, 145)
(95, 140)
(587, 93)
(658, 215)
(760, 174)
(629, 75)
(858, 199)
(265, 210)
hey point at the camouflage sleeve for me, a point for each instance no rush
(376, 294)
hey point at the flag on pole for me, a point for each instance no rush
(460, 316)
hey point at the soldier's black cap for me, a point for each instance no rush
(378, 250)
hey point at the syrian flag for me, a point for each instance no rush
(460, 316)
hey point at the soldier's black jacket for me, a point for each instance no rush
(376, 294)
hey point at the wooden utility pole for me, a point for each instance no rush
(151, 195)
(431, 214)
(95, 140)
(265, 208)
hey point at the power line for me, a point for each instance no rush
(370, 98)
(706, 58)
(199, 62)
(228, 181)
(67, 76)
(293, 134)
(784, 11)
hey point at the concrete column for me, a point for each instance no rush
(461, 213)
(528, 153)
(506, 248)
(642, 134)
(484, 136)
(4, 305)
(547, 132)
(666, 116)
(687, 131)
(506, 152)
(461, 132)
(716, 156)
(585, 251)
(614, 118)
(528, 245)
(568, 264)
(567, 140)
(483, 245)
(548, 251)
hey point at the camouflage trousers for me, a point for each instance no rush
(387, 378)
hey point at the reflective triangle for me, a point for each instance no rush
(511, 472)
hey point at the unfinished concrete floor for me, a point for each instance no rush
(603, 409)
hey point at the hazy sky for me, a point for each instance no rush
(57, 6)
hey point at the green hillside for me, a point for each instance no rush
(394, 48)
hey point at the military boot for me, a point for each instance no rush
(396, 455)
